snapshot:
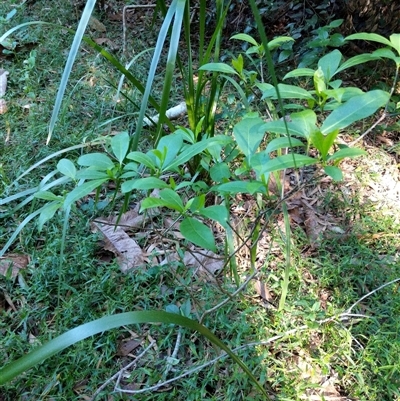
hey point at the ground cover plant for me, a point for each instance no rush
(244, 230)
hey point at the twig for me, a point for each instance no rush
(370, 293)
(119, 373)
(229, 297)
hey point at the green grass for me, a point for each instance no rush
(324, 282)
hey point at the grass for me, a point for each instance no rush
(359, 356)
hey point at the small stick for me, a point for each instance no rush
(119, 373)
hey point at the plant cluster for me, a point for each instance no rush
(282, 126)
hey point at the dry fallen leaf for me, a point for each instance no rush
(207, 263)
(15, 261)
(108, 42)
(96, 25)
(128, 252)
(125, 347)
(263, 291)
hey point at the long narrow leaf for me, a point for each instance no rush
(79, 333)
(87, 12)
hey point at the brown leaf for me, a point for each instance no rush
(125, 347)
(263, 291)
(128, 252)
(15, 261)
(96, 25)
(108, 42)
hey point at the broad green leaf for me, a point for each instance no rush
(173, 199)
(249, 133)
(149, 203)
(258, 161)
(384, 52)
(356, 60)
(330, 63)
(120, 146)
(218, 67)
(142, 159)
(320, 82)
(279, 127)
(282, 142)
(373, 37)
(218, 213)
(240, 187)
(220, 172)
(357, 108)
(346, 152)
(300, 72)
(171, 145)
(305, 121)
(198, 233)
(81, 191)
(289, 161)
(342, 95)
(146, 183)
(88, 174)
(287, 92)
(245, 38)
(66, 167)
(196, 203)
(395, 41)
(336, 23)
(71, 337)
(334, 172)
(188, 153)
(280, 40)
(47, 213)
(323, 142)
(96, 161)
(47, 195)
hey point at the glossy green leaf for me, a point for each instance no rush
(66, 167)
(142, 159)
(170, 145)
(218, 213)
(240, 187)
(305, 121)
(288, 128)
(395, 41)
(88, 174)
(48, 212)
(282, 142)
(147, 183)
(330, 63)
(357, 108)
(300, 72)
(82, 190)
(220, 172)
(280, 40)
(289, 161)
(347, 152)
(149, 203)
(287, 92)
(334, 172)
(198, 233)
(323, 142)
(249, 133)
(47, 195)
(71, 337)
(218, 67)
(120, 146)
(245, 38)
(356, 60)
(373, 37)
(173, 199)
(96, 161)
